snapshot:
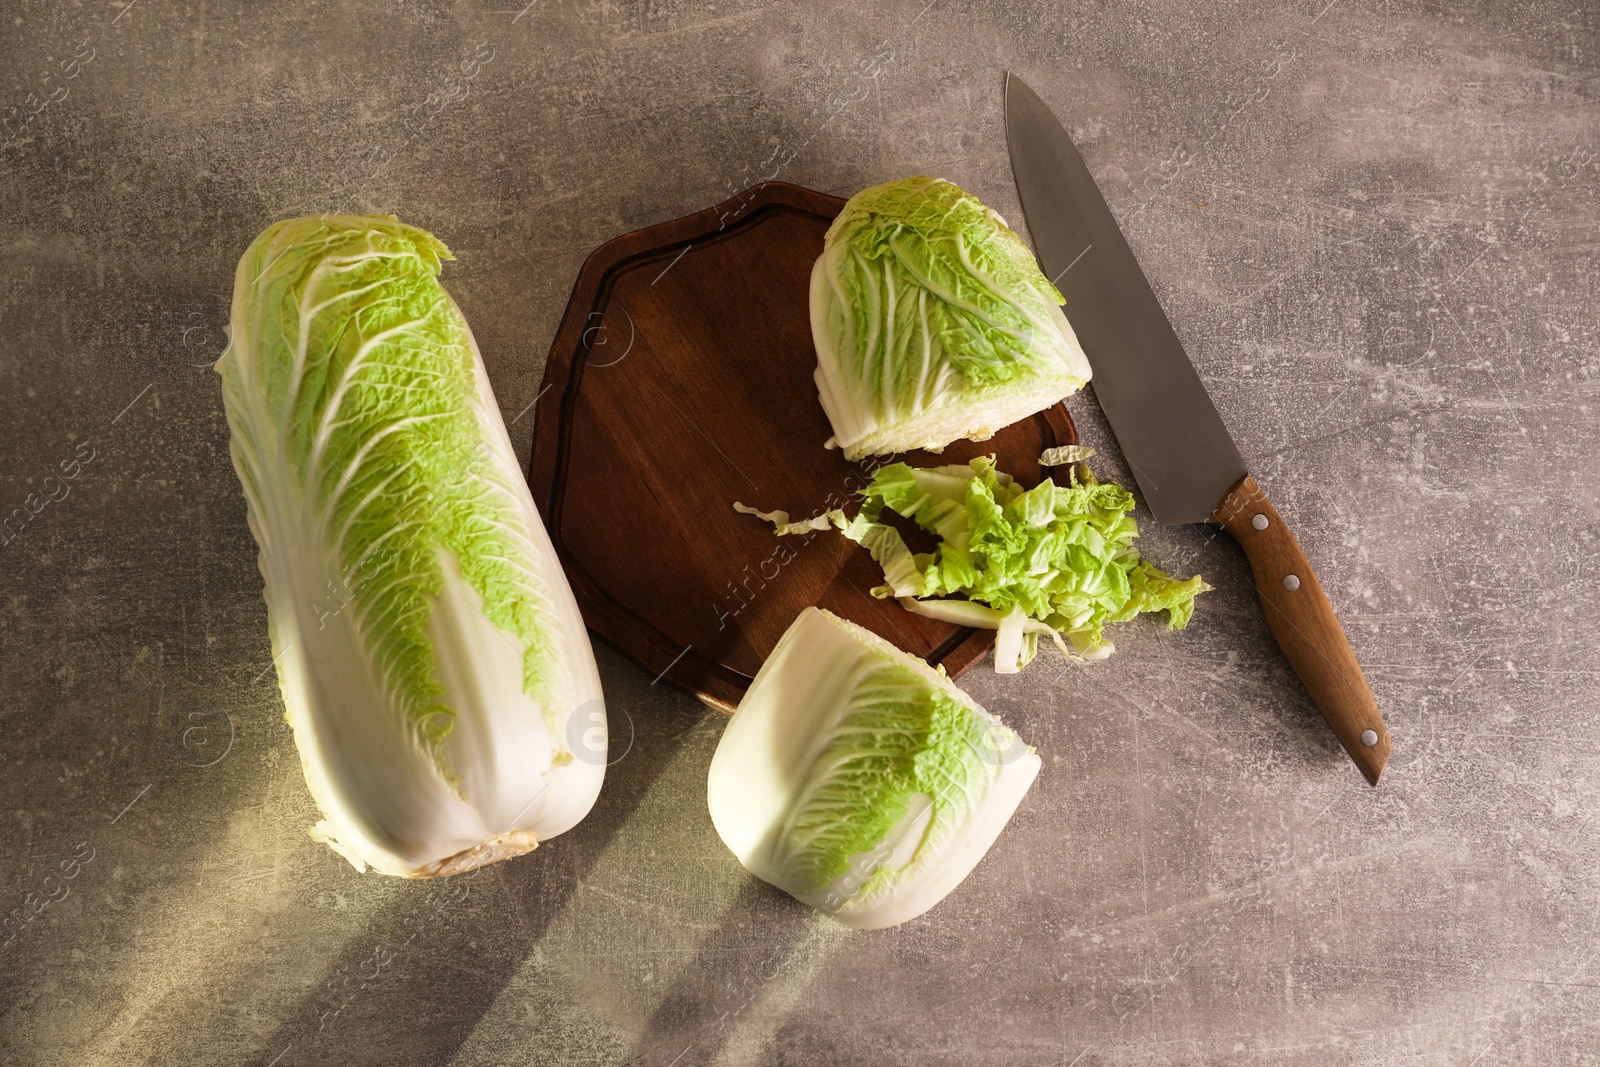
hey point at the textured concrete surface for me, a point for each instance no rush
(1373, 223)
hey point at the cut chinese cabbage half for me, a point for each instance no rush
(932, 322)
(860, 780)
(431, 657)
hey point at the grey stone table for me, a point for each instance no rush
(1373, 223)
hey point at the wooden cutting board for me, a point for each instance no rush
(680, 382)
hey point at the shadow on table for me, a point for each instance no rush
(440, 958)
(765, 938)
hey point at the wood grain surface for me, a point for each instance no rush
(680, 381)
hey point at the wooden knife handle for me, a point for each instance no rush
(1303, 622)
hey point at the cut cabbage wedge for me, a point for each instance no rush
(860, 780)
(431, 657)
(932, 322)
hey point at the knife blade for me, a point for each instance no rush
(1181, 454)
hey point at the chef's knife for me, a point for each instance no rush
(1185, 462)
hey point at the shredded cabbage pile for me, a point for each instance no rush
(1054, 559)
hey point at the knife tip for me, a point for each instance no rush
(1023, 91)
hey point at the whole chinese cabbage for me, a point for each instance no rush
(932, 322)
(432, 660)
(859, 779)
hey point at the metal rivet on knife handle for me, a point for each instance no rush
(1369, 737)
(1303, 622)
(1260, 522)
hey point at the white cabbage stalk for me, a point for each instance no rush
(860, 780)
(932, 323)
(431, 657)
